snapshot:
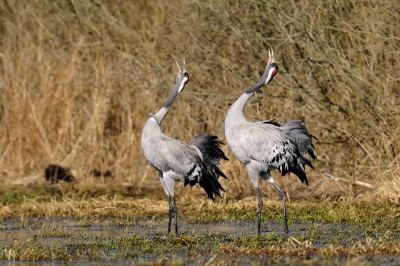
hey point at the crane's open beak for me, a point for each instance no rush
(271, 58)
(184, 68)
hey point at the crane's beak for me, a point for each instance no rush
(183, 67)
(178, 66)
(271, 58)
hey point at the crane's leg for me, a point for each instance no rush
(175, 210)
(283, 196)
(169, 213)
(168, 184)
(260, 204)
(267, 177)
(254, 174)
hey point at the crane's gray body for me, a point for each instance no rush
(177, 161)
(265, 146)
(174, 160)
(268, 145)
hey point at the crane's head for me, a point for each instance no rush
(271, 69)
(182, 78)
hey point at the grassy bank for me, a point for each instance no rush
(78, 79)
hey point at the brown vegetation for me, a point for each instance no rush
(78, 79)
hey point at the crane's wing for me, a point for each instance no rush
(178, 156)
(272, 122)
(262, 142)
(191, 163)
(266, 143)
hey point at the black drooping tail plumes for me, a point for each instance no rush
(299, 134)
(210, 148)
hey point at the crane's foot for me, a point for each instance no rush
(286, 230)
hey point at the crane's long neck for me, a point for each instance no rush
(235, 113)
(160, 115)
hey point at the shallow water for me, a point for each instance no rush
(72, 234)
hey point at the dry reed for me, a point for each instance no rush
(78, 79)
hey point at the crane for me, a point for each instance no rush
(268, 145)
(176, 161)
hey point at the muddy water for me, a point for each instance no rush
(71, 233)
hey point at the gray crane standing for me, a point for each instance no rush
(268, 145)
(177, 161)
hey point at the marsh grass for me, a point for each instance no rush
(322, 232)
(78, 203)
(81, 224)
(78, 79)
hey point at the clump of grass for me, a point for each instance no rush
(78, 79)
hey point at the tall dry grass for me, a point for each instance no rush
(78, 79)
